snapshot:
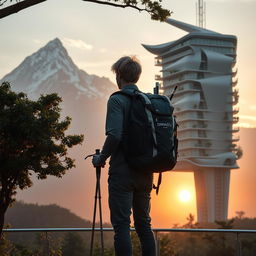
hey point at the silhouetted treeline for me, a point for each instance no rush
(23, 215)
(78, 243)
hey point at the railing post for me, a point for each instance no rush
(157, 243)
(47, 244)
(238, 245)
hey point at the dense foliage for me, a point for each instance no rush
(32, 140)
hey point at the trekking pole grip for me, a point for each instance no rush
(98, 169)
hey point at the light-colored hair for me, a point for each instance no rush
(128, 68)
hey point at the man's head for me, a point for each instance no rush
(127, 70)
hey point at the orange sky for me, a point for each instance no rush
(76, 189)
(95, 36)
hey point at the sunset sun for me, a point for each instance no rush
(184, 196)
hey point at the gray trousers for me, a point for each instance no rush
(131, 191)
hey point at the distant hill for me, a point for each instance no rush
(23, 215)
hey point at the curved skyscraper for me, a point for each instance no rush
(201, 64)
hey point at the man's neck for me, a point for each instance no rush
(124, 85)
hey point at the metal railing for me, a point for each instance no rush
(156, 231)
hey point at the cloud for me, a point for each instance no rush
(243, 101)
(77, 43)
(253, 107)
(252, 118)
(247, 125)
(37, 41)
(247, 121)
(103, 50)
(95, 64)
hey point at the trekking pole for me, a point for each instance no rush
(97, 196)
(98, 172)
(174, 90)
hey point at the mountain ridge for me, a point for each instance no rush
(51, 69)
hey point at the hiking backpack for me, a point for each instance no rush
(149, 140)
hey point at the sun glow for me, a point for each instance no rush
(184, 196)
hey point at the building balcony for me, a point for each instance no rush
(208, 139)
(235, 119)
(188, 74)
(200, 119)
(233, 64)
(195, 128)
(235, 111)
(178, 111)
(233, 147)
(234, 73)
(234, 82)
(204, 145)
(235, 92)
(235, 139)
(192, 119)
(204, 128)
(158, 62)
(235, 129)
(185, 91)
(192, 147)
(234, 101)
(195, 84)
(158, 78)
(200, 147)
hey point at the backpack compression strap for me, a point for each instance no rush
(150, 119)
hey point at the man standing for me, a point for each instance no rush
(129, 191)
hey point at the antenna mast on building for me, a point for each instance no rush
(201, 14)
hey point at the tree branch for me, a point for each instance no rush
(3, 2)
(153, 8)
(117, 5)
(18, 7)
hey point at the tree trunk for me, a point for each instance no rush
(2, 213)
(5, 200)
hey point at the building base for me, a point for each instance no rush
(212, 192)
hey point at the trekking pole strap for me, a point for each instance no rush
(159, 181)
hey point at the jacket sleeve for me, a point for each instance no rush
(114, 126)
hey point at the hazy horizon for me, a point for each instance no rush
(95, 37)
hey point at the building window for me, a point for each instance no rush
(203, 64)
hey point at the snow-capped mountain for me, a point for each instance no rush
(84, 96)
(51, 69)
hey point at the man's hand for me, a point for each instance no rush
(98, 160)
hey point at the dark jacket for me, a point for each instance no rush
(117, 114)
